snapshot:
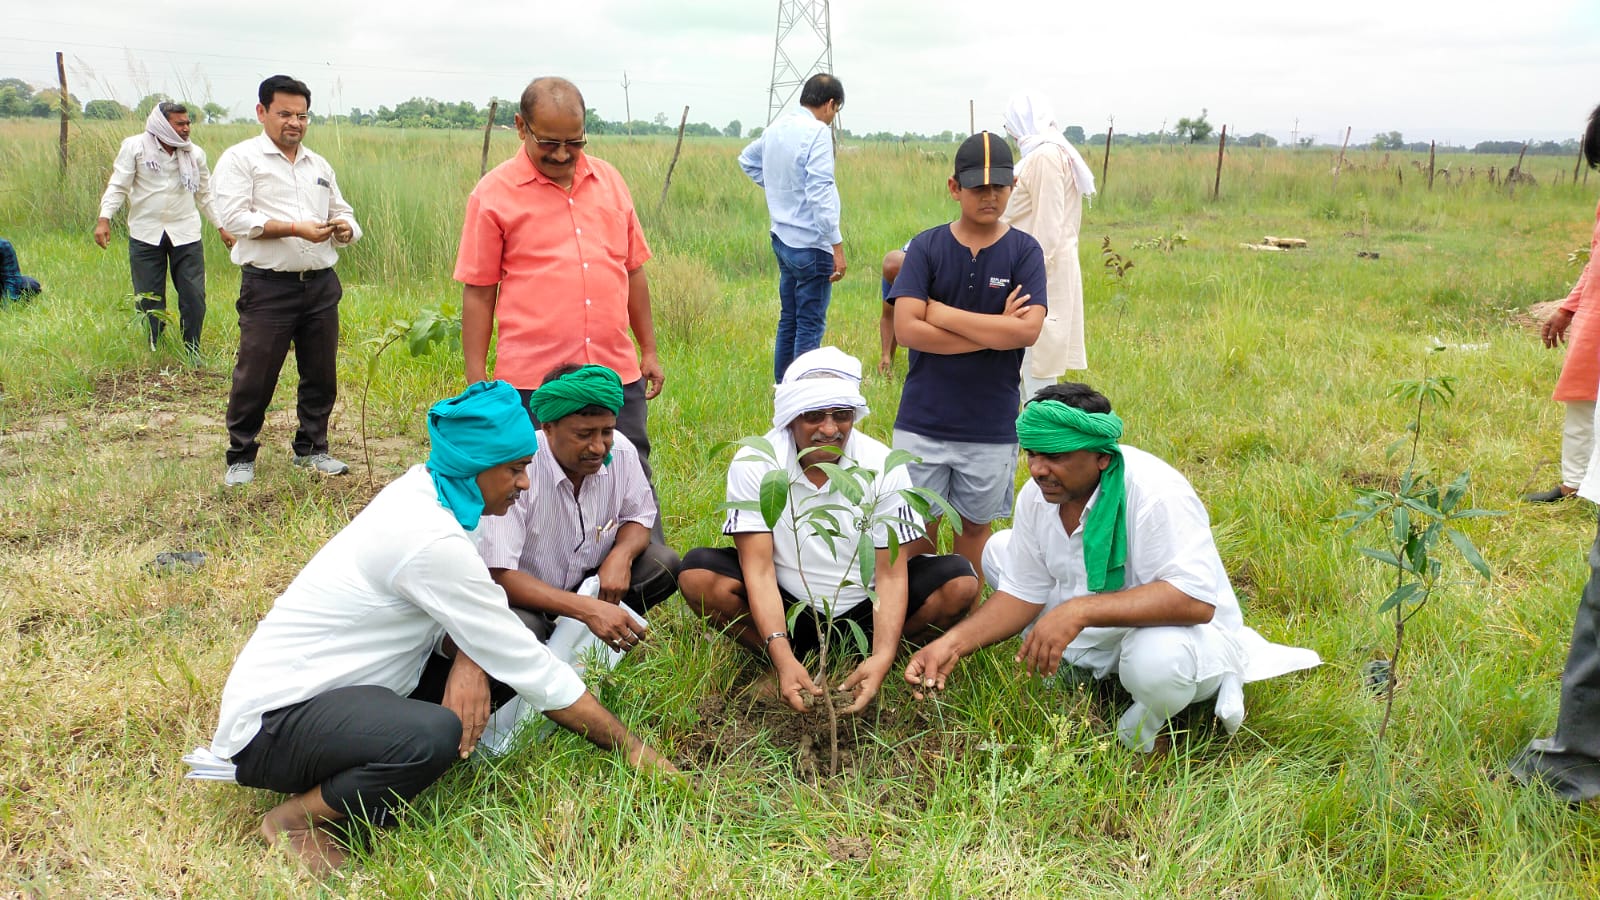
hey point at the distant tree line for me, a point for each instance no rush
(19, 100)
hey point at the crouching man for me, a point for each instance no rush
(746, 589)
(362, 684)
(1110, 566)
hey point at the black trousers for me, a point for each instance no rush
(149, 263)
(654, 579)
(275, 311)
(925, 574)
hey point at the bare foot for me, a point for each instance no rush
(316, 849)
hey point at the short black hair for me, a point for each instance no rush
(593, 409)
(169, 109)
(552, 89)
(819, 89)
(1591, 140)
(282, 84)
(1076, 395)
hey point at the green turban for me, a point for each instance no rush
(588, 386)
(1050, 426)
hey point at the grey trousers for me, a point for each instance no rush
(1568, 762)
(148, 264)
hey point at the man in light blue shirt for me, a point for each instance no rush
(793, 161)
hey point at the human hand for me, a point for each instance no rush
(102, 233)
(1042, 648)
(1554, 330)
(228, 240)
(654, 377)
(838, 262)
(342, 232)
(865, 681)
(1016, 302)
(613, 624)
(931, 666)
(311, 230)
(466, 693)
(886, 366)
(795, 685)
(616, 576)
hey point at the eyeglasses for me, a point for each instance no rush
(549, 146)
(302, 118)
(843, 415)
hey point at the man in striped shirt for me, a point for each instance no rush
(588, 511)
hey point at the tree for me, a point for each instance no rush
(1388, 140)
(734, 129)
(16, 97)
(143, 107)
(215, 112)
(109, 110)
(47, 104)
(756, 132)
(1075, 134)
(660, 119)
(1193, 130)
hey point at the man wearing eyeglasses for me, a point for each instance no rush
(283, 204)
(746, 590)
(552, 254)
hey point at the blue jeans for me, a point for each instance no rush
(804, 290)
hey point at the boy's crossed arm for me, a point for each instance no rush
(933, 327)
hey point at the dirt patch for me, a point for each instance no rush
(845, 849)
(177, 388)
(1534, 316)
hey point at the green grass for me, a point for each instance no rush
(1263, 377)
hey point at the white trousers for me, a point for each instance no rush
(1577, 442)
(1164, 668)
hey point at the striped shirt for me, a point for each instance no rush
(826, 571)
(555, 535)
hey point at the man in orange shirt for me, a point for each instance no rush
(552, 253)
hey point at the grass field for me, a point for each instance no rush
(1263, 376)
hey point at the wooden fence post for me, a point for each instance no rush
(1105, 164)
(1515, 173)
(1216, 186)
(1430, 165)
(1339, 166)
(483, 163)
(674, 164)
(1577, 163)
(61, 72)
(972, 118)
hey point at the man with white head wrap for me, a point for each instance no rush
(746, 589)
(162, 175)
(1053, 181)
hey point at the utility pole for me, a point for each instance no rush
(802, 47)
(627, 105)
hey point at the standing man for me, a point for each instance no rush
(1053, 183)
(284, 204)
(793, 163)
(552, 254)
(1110, 566)
(162, 175)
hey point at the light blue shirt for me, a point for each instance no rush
(793, 162)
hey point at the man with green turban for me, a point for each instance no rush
(587, 514)
(362, 684)
(1110, 566)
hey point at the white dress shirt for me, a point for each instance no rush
(255, 182)
(157, 202)
(556, 536)
(828, 562)
(369, 609)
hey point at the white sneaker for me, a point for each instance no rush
(240, 473)
(322, 463)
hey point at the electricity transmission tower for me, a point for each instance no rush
(804, 35)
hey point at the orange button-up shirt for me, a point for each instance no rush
(562, 262)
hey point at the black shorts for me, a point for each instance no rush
(925, 574)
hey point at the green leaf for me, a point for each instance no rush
(894, 545)
(794, 615)
(758, 445)
(774, 496)
(1469, 552)
(859, 636)
(1416, 551)
(1477, 514)
(932, 497)
(867, 557)
(843, 481)
(744, 505)
(898, 458)
(1402, 525)
(1383, 556)
(1399, 595)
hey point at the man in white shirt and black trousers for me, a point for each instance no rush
(282, 202)
(162, 177)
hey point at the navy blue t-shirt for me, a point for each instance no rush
(966, 396)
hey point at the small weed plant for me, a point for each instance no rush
(430, 328)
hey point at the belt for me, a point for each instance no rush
(308, 275)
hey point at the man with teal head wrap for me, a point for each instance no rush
(1110, 565)
(588, 513)
(377, 668)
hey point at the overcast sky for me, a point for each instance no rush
(1461, 71)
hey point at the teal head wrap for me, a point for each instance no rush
(478, 429)
(1050, 426)
(589, 386)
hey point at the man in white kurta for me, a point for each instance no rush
(1154, 608)
(366, 679)
(1053, 181)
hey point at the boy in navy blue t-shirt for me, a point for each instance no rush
(970, 297)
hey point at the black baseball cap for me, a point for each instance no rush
(984, 158)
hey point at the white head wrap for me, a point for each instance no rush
(158, 132)
(824, 378)
(1032, 121)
